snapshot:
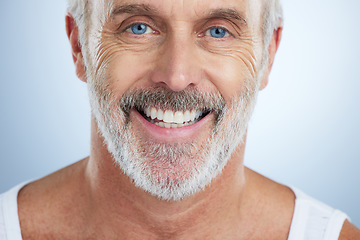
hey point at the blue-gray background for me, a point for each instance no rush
(305, 130)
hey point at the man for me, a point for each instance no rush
(172, 85)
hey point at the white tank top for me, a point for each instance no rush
(312, 220)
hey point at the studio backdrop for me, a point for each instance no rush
(305, 130)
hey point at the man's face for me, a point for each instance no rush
(172, 86)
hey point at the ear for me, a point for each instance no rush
(273, 47)
(72, 32)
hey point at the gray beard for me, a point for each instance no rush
(158, 168)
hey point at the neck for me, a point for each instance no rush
(119, 204)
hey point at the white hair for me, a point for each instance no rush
(172, 172)
(78, 8)
(79, 11)
(273, 19)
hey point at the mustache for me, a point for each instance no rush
(165, 99)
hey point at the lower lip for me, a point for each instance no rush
(170, 133)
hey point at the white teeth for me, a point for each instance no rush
(168, 116)
(192, 115)
(153, 113)
(160, 114)
(170, 119)
(147, 112)
(198, 114)
(187, 116)
(178, 117)
(170, 125)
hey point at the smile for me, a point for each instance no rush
(171, 119)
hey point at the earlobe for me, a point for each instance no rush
(72, 32)
(272, 49)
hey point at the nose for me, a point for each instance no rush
(177, 67)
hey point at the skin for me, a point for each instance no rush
(94, 199)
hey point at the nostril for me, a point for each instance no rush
(175, 74)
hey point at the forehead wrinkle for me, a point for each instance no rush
(146, 9)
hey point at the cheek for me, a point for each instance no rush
(230, 72)
(126, 70)
(123, 67)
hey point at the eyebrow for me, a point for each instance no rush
(132, 9)
(148, 10)
(227, 13)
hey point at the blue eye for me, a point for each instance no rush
(217, 32)
(139, 29)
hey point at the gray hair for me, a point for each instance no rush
(80, 12)
(273, 19)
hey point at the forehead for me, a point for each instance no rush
(186, 10)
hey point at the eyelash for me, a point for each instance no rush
(128, 28)
(202, 34)
(220, 27)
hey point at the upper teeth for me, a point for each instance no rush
(169, 116)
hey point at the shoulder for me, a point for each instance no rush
(2, 221)
(49, 206)
(311, 218)
(274, 206)
(9, 221)
(349, 232)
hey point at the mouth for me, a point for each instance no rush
(172, 119)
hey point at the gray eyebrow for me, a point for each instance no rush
(227, 13)
(143, 9)
(132, 9)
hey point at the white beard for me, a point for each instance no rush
(158, 168)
